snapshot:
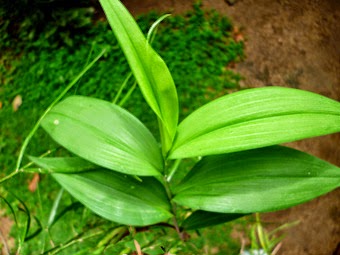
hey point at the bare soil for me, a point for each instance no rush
(293, 44)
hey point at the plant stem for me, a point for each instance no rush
(72, 242)
(173, 169)
(9, 176)
(54, 209)
(15, 172)
(128, 94)
(115, 100)
(173, 206)
(114, 236)
(260, 233)
(174, 219)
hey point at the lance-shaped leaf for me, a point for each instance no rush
(61, 164)
(149, 69)
(255, 118)
(202, 219)
(259, 180)
(118, 197)
(104, 134)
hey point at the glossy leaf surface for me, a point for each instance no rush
(259, 180)
(255, 118)
(104, 134)
(202, 219)
(118, 197)
(149, 69)
(62, 164)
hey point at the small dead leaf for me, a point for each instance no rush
(239, 38)
(0, 105)
(237, 34)
(138, 248)
(17, 101)
(32, 186)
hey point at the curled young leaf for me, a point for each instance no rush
(104, 134)
(118, 197)
(255, 118)
(260, 180)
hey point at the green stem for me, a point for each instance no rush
(122, 87)
(72, 242)
(173, 206)
(9, 176)
(54, 209)
(114, 236)
(153, 29)
(128, 94)
(22, 169)
(260, 233)
(173, 169)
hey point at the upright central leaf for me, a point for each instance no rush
(148, 68)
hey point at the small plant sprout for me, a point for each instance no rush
(264, 242)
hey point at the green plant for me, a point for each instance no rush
(264, 242)
(122, 173)
(41, 72)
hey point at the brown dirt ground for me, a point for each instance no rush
(293, 44)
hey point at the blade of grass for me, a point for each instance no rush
(128, 94)
(116, 232)
(27, 224)
(37, 232)
(73, 206)
(150, 37)
(61, 95)
(73, 241)
(122, 87)
(53, 213)
(25, 168)
(11, 209)
(153, 29)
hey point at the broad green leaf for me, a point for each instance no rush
(118, 197)
(62, 164)
(104, 134)
(255, 118)
(149, 69)
(259, 180)
(202, 219)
